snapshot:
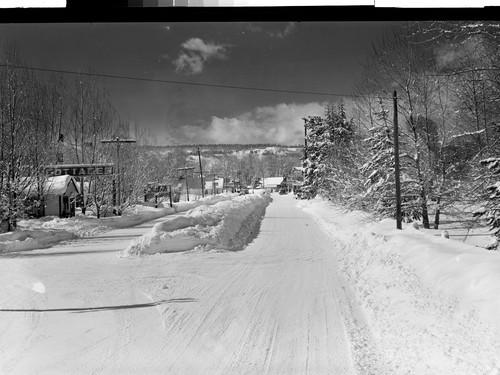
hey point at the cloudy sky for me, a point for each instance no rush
(312, 57)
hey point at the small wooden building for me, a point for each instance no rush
(272, 183)
(60, 196)
(213, 185)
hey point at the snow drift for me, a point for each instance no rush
(226, 224)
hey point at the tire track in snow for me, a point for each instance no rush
(276, 309)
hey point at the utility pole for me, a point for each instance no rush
(118, 142)
(213, 180)
(185, 169)
(305, 140)
(201, 175)
(396, 163)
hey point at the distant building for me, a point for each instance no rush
(296, 179)
(214, 186)
(272, 183)
(194, 186)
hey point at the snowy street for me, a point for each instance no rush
(278, 306)
(284, 197)
(316, 290)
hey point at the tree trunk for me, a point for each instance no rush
(425, 212)
(437, 214)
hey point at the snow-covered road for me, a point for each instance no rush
(280, 306)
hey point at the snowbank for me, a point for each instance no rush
(32, 239)
(209, 200)
(49, 231)
(425, 296)
(86, 226)
(222, 223)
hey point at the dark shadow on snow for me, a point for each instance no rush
(48, 253)
(252, 235)
(104, 308)
(285, 217)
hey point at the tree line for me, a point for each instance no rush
(49, 119)
(446, 75)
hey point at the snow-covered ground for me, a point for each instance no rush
(432, 303)
(50, 230)
(311, 290)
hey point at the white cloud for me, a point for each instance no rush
(195, 53)
(289, 28)
(206, 50)
(189, 63)
(282, 124)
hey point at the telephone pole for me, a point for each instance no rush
(305, 140)
(201, 175)
(118, 142)
(185, 169)
(396, 163)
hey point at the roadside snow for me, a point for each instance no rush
(49, 231)
(432, 302)
(226, 224)
(32, 239)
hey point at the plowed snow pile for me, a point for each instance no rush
(227, 224)
(49, 231)
(30, 239)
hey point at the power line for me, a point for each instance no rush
(180, 82)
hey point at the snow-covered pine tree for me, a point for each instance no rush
(379, 170)
(313, 162)
(380, 194)
(340, 165)
(491, 209)
(329, 166)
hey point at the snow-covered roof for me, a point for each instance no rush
(272, 181)
(57, 185)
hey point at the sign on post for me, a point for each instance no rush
(79, 170)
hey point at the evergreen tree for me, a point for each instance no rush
(313, 162)
(380, 168)
(491, 210)
(328, 163)
(380, 194)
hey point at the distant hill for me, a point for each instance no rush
(229, 149)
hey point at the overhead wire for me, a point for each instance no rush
(199, 84)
